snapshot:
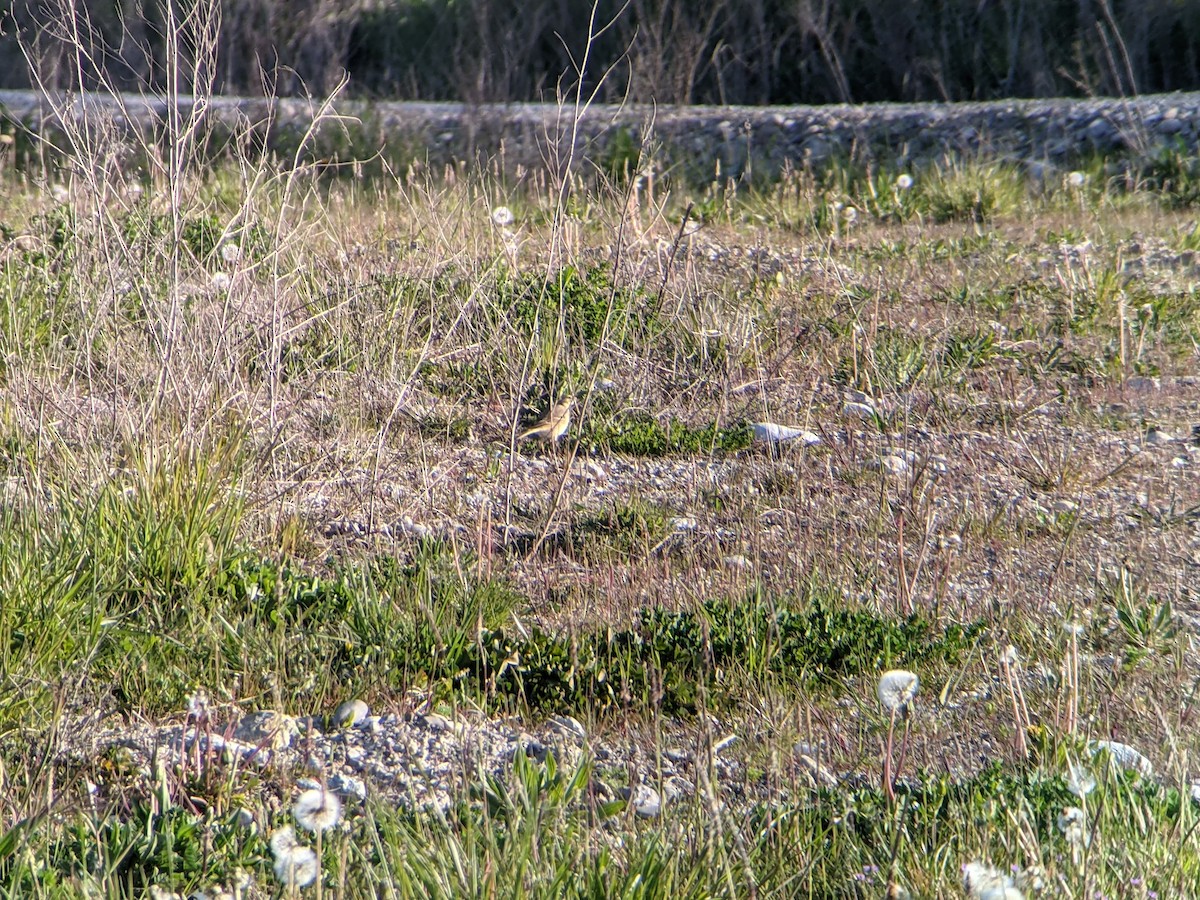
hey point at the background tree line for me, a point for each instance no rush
(669, 51)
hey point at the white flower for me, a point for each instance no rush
(1072, 823)
(297, 867)
(317, 810)
(502, 216)
(1080, 781)
(231, 252)
(896, 689)
(219, 281)
(1076, 179)
(904, 182)
(60, 194)
(982, 882)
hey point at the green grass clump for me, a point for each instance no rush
(644, 435)
(721, 647)
(585, 305)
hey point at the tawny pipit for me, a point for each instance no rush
(553, 426)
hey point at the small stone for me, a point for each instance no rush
(1064, 507)
(678, 755)
(534, 748)
(859, 410)
(266, 729)
(677, 788)
(568, 727)
(736, 562)
(1123, 756)
(1142, 383)
(644, 800)
(349, 787)
(436, 722)
(1158, 436)
(723, 743)
(1179, 462)
(350, 713)
(771, 433)
(892, 465)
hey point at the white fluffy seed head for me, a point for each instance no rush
(982, 882)
(317, 810)
(904, 182)
(296, 868)
(897, 688)
(502, 216)
(283, 841)
(1076, 179)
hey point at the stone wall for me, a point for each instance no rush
(696, 138)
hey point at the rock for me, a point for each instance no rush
(1159, 436)
(769, 432)
(437, 722)
(350, 713)
(736, 562)
(349, 787)
(677, 788)
(1123, 756)
(723, 743)
(568, 727)
(859, 410)
(1064, 507)
(1142, 383)
(267, 729)
(891, 465)
(644, 800)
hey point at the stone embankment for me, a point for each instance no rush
(536, 135)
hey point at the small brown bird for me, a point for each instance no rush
(553, 426)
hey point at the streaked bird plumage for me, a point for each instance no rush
(553, 426)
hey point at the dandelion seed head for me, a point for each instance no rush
(219, 281)
(502, 216)
(1080, 780)
(316, 810)
(983, 882)
(1076, 179)
(198, 706)
(1072, 823)
(231, 252)
(296, 868)
(283, 841)
(897, 688)
(904, 182)
(850, 214)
